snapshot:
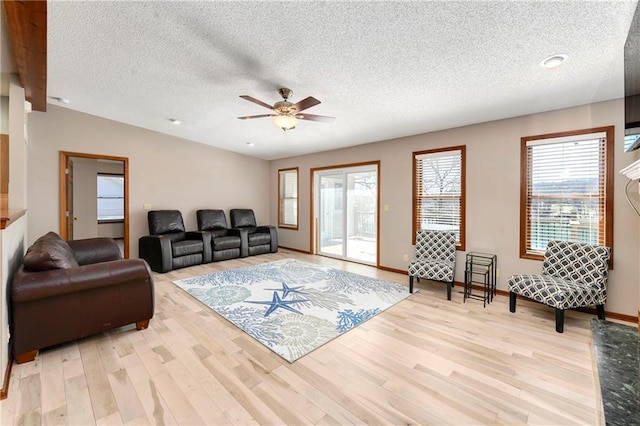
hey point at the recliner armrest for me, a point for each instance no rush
(197, 235)
(244, 241)
(273, 231)
(156, 250)
(95, 250)
(28, 286)
(205, 237)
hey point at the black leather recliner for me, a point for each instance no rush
(261, 239)
(169, 246)
(225, 243)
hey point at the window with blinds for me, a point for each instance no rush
(288, 198)
(439, 194)
(566, 190)
(110, 192)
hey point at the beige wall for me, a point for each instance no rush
(12, 238)
(18, 140)
(493, 197)
(170, 173)
(165, 171)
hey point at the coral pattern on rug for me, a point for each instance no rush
(293, 307)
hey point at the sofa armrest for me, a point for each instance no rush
(29, 286)
(95, 250)
(156, 250)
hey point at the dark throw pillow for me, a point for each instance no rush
(49, 252)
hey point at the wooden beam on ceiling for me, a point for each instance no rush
(27, 22)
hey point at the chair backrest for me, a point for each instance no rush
(577, 262)
(439, 245)
(209, 220)
(165, 222)
(242, 217)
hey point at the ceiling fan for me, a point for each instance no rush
(287, 114)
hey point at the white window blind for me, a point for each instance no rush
(565, 191)
(439, 201)
(288, 198)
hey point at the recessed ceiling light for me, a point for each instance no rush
(554, 61)
(175, 121)
(251, 144)
(60, 100)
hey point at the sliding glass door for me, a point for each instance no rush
(346, 210)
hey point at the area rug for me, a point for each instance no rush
(293, 307)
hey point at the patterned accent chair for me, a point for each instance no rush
(435, 258)
(573, 275)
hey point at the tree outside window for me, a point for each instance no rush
(439, 194)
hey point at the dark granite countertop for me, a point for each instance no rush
(617, 355)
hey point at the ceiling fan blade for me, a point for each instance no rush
(306, 103)
(247, 117)
(313, 117)
(255, 101)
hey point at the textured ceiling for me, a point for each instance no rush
(383, 69)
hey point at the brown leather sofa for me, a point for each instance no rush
(68, 290)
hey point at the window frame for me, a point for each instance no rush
(607, 162)
(282, 198)
(461, 244)
(120, 175)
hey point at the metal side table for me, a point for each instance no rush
(480, 268)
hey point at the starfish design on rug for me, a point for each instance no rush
(286, 290)
(276, 303)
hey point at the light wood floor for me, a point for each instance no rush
(423, 361)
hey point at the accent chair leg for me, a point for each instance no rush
(600, 311)
(26, 357)
(512, 301)
(410, 283)
(559, 320)
(142, 325)
(449, 285)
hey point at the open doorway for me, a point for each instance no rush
(94, 197)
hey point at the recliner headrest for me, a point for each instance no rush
(242, 217)
(165, 222)
(211, 219)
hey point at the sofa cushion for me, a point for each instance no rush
(49, 252)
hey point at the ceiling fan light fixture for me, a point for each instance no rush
(285, 122)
